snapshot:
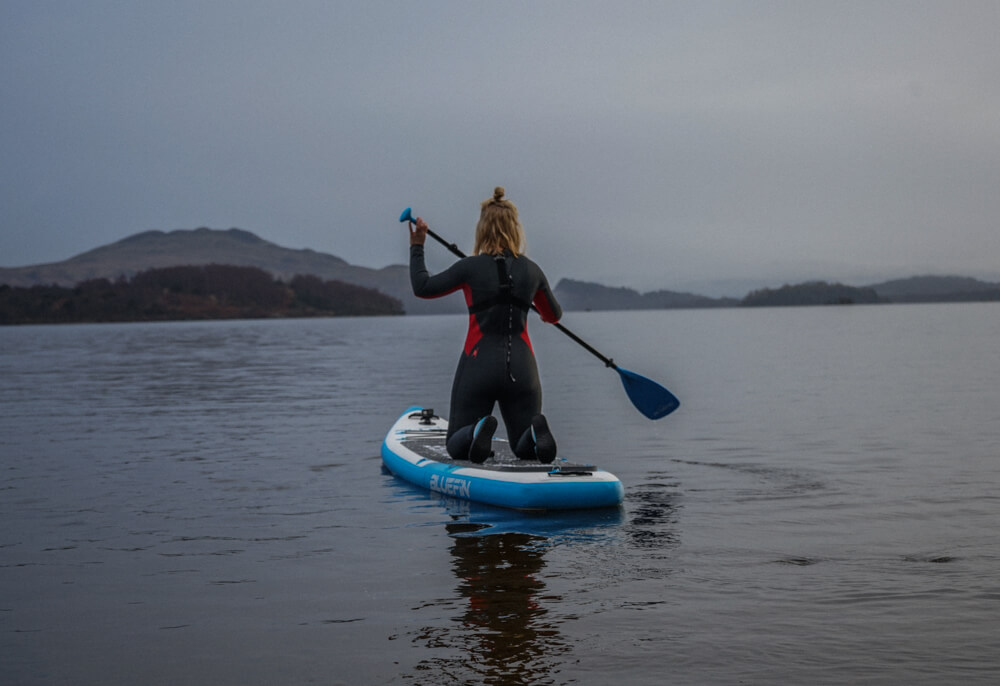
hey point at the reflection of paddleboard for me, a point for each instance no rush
(414, 450)
(464, 518)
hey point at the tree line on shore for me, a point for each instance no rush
(582, 295)
(239, 292)
(192, 292)
(810, 293)
(937, 290)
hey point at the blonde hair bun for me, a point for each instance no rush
(498, 229)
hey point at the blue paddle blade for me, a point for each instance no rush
(649, 397)
(407, 215)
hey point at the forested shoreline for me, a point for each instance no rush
(191, 293)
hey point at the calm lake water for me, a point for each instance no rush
(203, 503)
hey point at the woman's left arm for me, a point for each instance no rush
(546, 303)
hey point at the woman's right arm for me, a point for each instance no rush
(423, 283)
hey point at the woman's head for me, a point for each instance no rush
(499, 228)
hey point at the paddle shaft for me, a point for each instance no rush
(586, 346)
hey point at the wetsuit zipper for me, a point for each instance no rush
(507, 284)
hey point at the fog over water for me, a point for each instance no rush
(713, 147)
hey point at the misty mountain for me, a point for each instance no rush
(582, 295)
(937, 289)
(184, 247)
(917, 289)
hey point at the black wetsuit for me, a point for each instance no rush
(497, 363)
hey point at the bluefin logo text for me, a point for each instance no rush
(451, 486)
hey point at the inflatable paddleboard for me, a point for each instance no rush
(414, 450)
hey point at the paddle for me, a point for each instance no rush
(649, 397)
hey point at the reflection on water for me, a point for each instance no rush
(502, 625)
(502, 632)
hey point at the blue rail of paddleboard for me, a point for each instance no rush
(441, 478)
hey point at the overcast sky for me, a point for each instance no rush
(647, 144)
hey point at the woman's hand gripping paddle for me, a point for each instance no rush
(650, 398)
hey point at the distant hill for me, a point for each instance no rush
(583, 295)
(917, 289)
(183, 247)
(937, 289)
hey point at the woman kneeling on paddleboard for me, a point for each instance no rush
(497, 364)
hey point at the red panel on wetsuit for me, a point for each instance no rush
(545, 308)
(475, 333)
(474, 336)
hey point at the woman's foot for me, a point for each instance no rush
(482, 439)
(545, 444)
